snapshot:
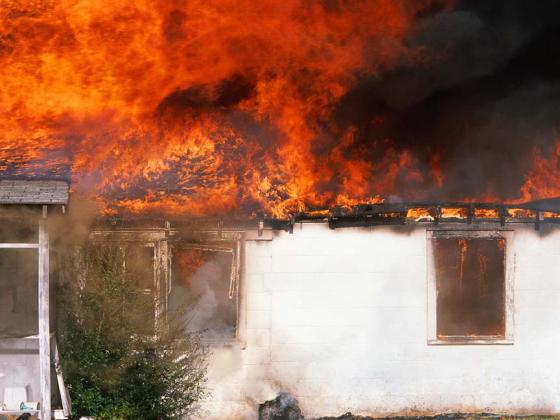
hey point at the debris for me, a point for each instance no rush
(283, 407)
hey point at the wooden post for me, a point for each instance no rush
(64, 396)
(162, 276)
(44, 322)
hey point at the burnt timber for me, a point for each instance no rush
(412, 214)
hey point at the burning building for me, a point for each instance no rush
(357, 197)
(377, 309)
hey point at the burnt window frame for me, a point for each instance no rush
(153, 291)
(154, 239)
(163, 240)
(507, 236)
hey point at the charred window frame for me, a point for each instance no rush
(164, 241)
(231, 289)
(477, 251)
(154, 242)
(143, 279)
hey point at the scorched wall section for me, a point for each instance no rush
(339, 319)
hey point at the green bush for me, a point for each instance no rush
(111, 371)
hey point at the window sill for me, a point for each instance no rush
(462, 341)
(222, 342)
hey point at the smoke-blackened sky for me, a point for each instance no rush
(484, 100)
(207, 107)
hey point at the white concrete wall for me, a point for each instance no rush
(338, 318)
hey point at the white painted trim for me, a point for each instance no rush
(44, 322)
(63, 391)
(18, 246)
(508, 235)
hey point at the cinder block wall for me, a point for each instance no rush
(338, 318)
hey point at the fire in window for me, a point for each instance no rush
(470, 288)
(203, 291)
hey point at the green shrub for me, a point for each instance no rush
(111, 371)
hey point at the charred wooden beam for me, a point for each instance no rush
(502, 214)
(359, 215)
(292, 221)
(470, 214)
(437, 216)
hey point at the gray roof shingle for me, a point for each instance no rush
(33, 192)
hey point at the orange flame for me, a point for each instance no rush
(454, 213)
(189, 261)
(199, 107)
(521, 213)
(551, 215)
(420, 214)
(543, 180)
(486, 213)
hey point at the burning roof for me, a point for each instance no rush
(266, 107)
(412, 214)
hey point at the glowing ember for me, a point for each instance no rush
(318, 213)
(454, 213)
(521, 213)
(420, 214)
(551, 215)
(486, 213)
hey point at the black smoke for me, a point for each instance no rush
(480, 91)
(485, 96)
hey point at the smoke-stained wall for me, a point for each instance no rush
(340, 319)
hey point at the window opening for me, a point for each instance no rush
(204, 291)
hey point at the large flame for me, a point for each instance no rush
(542, 181)
(203, 107)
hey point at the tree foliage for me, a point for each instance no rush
(112, 371)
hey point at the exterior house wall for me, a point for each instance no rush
(338, 318)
